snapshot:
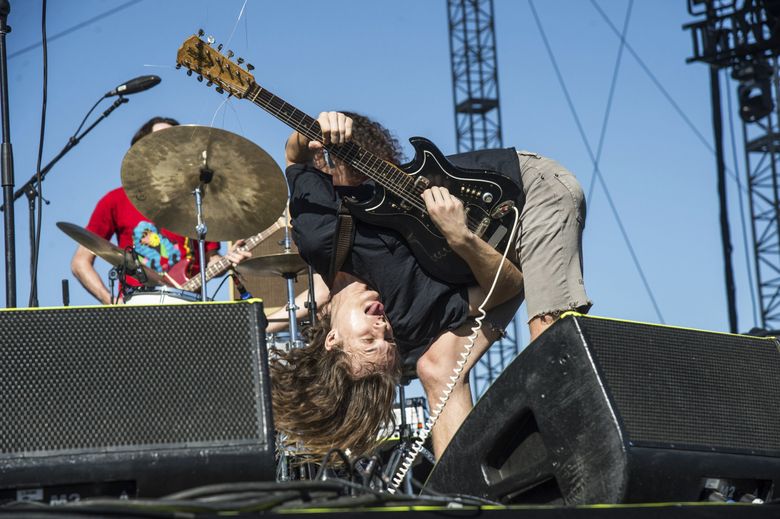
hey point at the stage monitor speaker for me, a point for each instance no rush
(132, 400)
(606, 411)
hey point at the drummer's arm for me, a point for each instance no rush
(279, 320)
(83, 267)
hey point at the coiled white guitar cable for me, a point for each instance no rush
(406, 464)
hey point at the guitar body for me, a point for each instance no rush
(488, 198)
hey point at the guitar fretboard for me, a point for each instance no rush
(375, 168)
(223, 264)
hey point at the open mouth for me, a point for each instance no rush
(376, 308)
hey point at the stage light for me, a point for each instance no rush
(755, 90)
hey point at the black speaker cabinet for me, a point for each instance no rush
(605, 411)
(132, 400)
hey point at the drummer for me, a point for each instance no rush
(158, 249)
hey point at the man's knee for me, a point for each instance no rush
(434, 371)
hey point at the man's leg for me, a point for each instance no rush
(435, 368)
(550, 245)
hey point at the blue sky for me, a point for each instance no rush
(391, 61)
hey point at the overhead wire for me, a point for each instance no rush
(658, 85)
(608, 110)
(603, 184)
(74, 28)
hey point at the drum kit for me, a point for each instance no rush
(201, 182)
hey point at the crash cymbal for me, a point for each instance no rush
(108, 251)
(279, 264)
(243, 188)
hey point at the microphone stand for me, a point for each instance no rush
(30, 188)
(7, 164)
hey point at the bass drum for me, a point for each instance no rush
(161, 296)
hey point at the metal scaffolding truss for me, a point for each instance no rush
(478, 126)
(743, 36)
(474, 74)
(762, 159)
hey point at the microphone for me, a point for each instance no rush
(135, 85)
(242, 291)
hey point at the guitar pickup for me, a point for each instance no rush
(420, 184)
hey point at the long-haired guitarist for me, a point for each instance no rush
(382, 311)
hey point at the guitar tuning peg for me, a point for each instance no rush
(230, 54)
(200, 78)
(209, 83)
(220, 90)
(201, 32)
(219, 47)
(210, 39)
(189, 72)
(249, 66)
(178, 66)
(240, 60)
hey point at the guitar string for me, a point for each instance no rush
(349, 151)
(401, 183)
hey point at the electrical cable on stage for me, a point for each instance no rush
(406, 464)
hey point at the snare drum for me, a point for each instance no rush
(161, 296)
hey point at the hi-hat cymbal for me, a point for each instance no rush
(243, 188)
(279, 264)
(108, 251)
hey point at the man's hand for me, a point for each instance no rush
(448, 214)
(336, 129)
(236, 254)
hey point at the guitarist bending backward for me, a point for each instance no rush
(381, 312)
(159, 249)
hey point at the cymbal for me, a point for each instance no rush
(108, 251)
(279, 264)
(243, 188)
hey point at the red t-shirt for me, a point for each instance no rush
(159, 249)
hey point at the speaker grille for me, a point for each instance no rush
(109, 378)
(688, 388)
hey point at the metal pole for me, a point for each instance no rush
(7, 165)
(717, 128)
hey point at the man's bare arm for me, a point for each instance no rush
(448, 214)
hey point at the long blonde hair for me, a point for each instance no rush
(319, 403)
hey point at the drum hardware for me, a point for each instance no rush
(242, 188)
(118, 258)
(162, 295)
(161, 170)
(287, 264)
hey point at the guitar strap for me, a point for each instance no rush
(342, 241)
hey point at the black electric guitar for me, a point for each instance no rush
(488, 197)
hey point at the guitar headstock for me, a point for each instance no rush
(197, 55)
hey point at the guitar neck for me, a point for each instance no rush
(375, 168)
(223, 264)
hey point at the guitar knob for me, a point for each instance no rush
(487, 197)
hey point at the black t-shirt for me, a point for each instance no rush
(418, 306)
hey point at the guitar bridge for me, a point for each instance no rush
(482, 227)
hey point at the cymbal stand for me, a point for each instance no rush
(206, 174)
(292, 308)
(201, 229)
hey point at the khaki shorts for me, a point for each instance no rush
(549, 247)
